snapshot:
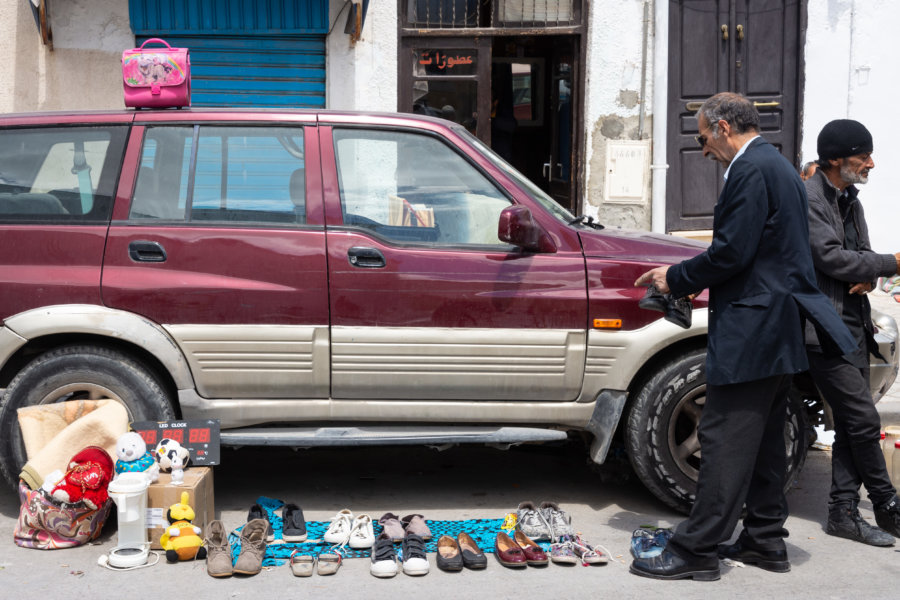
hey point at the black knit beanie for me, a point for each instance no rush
(842, 138)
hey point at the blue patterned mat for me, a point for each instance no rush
(483, 531)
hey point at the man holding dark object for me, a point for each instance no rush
(846, 269)
(759, 272)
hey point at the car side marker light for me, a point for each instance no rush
(607, 323)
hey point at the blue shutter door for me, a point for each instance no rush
(244, 53)
(255, 71)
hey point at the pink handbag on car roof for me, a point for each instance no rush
(156, 77)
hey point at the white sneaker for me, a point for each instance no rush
(362, 534)
(339, 530)
(384, 557)
(414, 558)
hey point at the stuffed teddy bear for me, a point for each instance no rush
(133, 456)
(87, 477)
(182, 540)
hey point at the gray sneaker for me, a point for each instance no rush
(848, 523)
(253, 548)
(560, 522)
(218, 558)
(531, 522)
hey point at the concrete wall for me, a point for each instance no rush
(852, 73)
(83, 71)
(363, 76)
(613, 101)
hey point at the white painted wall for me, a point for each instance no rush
(613, 102)
(363, 76)
(83, 71)
(852, 73)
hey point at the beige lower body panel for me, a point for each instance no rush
(457, 363)
(256, 361)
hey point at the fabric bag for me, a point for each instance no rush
(46, 524)
(156, 77)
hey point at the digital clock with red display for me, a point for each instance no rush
(201, 438)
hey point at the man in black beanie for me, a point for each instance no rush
(846, 268)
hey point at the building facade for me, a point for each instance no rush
(594, 100)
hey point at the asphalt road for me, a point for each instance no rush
(465, 483)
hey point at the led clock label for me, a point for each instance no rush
(201, 438)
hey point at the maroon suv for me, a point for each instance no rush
(319, 278)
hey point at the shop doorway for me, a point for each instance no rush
(519, 94)
(532, 116)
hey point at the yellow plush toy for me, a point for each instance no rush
(182, 540)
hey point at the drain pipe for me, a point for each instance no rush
(660, 102)
(643, 102)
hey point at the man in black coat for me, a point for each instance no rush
(846, 268)
(759, 272)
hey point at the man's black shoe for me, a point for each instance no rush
(888, 516)
(653, 299)
(679, 311)
(770, 560)
(848, 523)
(670, 566)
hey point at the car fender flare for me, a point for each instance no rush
(96, 320)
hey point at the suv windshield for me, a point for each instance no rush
(534, 191)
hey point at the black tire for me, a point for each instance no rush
(76, 373)
(661, 431)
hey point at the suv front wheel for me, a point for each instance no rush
(662, 427)
(78, 372)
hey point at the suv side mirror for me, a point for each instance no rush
(518, 227)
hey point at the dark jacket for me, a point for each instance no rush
(836, 268)
(759, 273)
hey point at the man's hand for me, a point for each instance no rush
(897, 258)
(861, 288)
(656, 277)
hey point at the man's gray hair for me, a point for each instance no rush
(732, 108)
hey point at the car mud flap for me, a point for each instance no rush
(607, 412)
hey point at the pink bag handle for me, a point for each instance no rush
(156, 40)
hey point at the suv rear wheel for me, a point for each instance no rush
(79, 372)
(662, 427)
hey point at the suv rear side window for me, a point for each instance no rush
(59, 174)
(408, 187)
(219, 174)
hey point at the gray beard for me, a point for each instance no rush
(851, 177)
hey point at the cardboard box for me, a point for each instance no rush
(198, 483)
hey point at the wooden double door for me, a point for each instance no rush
(746, 46)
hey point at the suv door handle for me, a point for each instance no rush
(367, 258)
(143, 251)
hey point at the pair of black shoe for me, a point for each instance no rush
(669, 565)
(293, 525)
(675, 310)
(454, 554)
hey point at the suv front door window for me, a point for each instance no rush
(414, 188)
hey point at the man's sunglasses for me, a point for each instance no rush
(701, 139)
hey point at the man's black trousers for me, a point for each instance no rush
(743, 460)
(856, 456)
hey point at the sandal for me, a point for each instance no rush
(329, 563)
(301, 564)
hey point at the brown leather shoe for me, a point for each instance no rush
(508, 552)
(534, 554)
